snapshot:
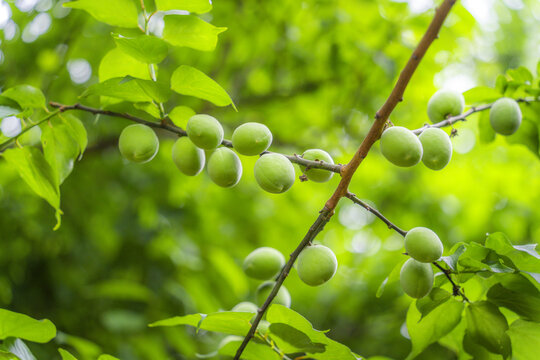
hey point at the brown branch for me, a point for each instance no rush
(395, 97)
(348, 170)
(462, 117)
(169, 126)
(456, 289)
(375, 212)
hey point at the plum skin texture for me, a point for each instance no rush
(445, 103)
(205, 131)
(437, 148)
(188, 158)
(138, 143)
(263, 263)
(316, 264)
(422, 244)
(401, 146)
(318, 175)
(505, 116)
(416, 278)
(274, 173)
(224, 167)
(251, 139)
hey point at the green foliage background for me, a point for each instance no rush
(139, 243)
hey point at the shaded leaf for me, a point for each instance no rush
(524, 261)
(487, 326)
(194, 6)
(130, 89)
(291, 340)
(253, 351)
(8, 107)
(26, 96)
(18, 348)
(435, 298)
(517, 294)
(391, 278)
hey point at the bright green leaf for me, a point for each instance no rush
(180, 115)
(194, 6)
(524, 261)
(485, 130)
(8, 107)
(26, 96)
(121, 13)
(117, 64)
(144, 48)
(149, 108)
(130, 89)
(227, 322)
(60, 149)
(525, 337)
(480, 95)
(76, 130)
(187, 80)
(487, 326)
(435, 298)
(66, 355)
(253, 351)
(192, 320)
(21, 326)
(393, 277)
(190, 31)
(107, 357)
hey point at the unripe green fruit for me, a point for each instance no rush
(316, 265)
(138, 143)
(224, 167)
(445, 103)
(263, 263)
(422, 244)
(416, 278)
(274, 173)
(245, 306)
(251, 138)
(31, 137)
(188, 158)
(282, 297)
(400, 146)
(318, 175)
(437, 148)
(505, 116)
(205, 131)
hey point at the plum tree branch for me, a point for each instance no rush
(349, 169)
(168, 126)
(462, 117)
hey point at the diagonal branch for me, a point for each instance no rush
(168, 126)
(348, 170)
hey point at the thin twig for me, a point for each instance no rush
(456, 289)
(375, 212)
(168, 126)
(348, 170)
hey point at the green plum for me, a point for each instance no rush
(263, 263)
(505, 116)
(401, 146)
(205, 131)
(138, 143)
(224, 167)
(416, 278)
(316, 265)
(245, 306)
(422, 244)
(437, 148)
(188, 158)
(274, 173)
(445, 103)
(251, 138)
(282, 297)
(318, 175)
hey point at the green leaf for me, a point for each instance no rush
(66, 355)
(524, 260)
(18, 348)
(17, 325)
(180, 115)
(391, 278)
(480, 95)
(26, 96)
(501, 83)
(8, 107)
(190, 31)
(76, 130)
(435, 298)
(452, 259)
(187, 80)
(525, 337)
(292, 340)
(485, 130)
(521, 75)
(527, 135)
(283, 315)
(117, 64)
(194, 6)
(517, 294)
(121, 13)
(192, 320)
(7, 356)
(227, 322)
(487, 326)
(149, 108)
(253, 351)
(473, 257)
(107, 357)
(37, 173)
(144, 48)
(436, 324)
(60, 149)
(130, 89)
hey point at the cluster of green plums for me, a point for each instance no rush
(424, 247)
(274, 172)
(433, 146)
